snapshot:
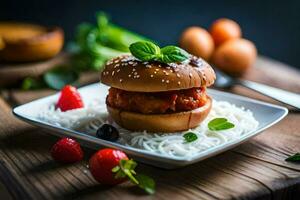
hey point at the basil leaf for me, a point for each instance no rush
(294, 158)
(219, 124)
(190, 137)
(148, 51)
(59, 77)
(144, 50)
(146, 183)
(172, 54)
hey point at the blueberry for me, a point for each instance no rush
(108, 132)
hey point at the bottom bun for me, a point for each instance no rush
(160, 122)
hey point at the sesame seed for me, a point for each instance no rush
(117, 65)
(133, 69)
(155, 72)
(138, 76)
(167, 74)
(116, 61)
(121, 80)
(190, 75)
(163, 80)
(178, 82)
(130, 62)
(129, 75)
(167, 81)
(178, 75)
(159, 65)
(156, 69)
(113, 72)
(151, 75)
(135, 73)
(118, 70)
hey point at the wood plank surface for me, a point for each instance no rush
(13, 73)
(253, 170)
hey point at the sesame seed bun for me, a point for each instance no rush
(160, 122)
(127, 73)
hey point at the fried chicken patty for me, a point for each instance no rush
(157, 102)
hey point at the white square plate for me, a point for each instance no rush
(266, 114)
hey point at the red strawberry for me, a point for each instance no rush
(67, 150)
(102, 163)
(69, 99)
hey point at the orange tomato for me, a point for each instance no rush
(198, 42)
(235, 56)
(224, 29)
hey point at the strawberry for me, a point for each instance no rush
(69, 99)
(102, 163)
(66, 150)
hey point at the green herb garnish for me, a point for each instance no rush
(190, 137)
(145, 51)
(294, 158)
(148, 51)
(171, 54)
(146, 183)
(126, 169)
(219, 124)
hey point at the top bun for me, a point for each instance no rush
(128, 73)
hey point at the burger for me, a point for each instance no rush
(157, 96)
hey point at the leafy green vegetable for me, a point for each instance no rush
(148, 51)
(190, 137)
(59, 77)
(219, 124)
(95, 44)
(126, 169)
(294, 158)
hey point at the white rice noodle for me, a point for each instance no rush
(89, 119)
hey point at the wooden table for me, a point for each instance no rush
(254, 170)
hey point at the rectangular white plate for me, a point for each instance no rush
(266, 114)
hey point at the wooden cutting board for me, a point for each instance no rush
(254, 170)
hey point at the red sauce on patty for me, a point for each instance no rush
(157, 102)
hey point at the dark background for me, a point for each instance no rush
(273, 25)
